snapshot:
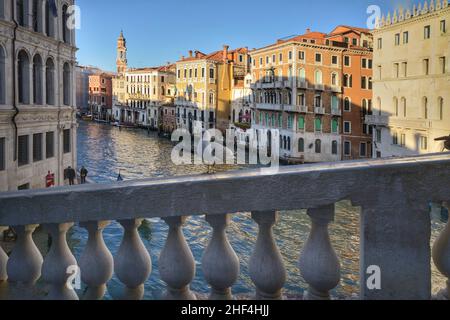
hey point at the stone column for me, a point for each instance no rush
(56, 270)
(24, 265)
(96, 263)
(220, 263)
(133, 264)
(319, 264)
(441, 256)
(176, 263)
(266, 265)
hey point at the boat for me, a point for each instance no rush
(87, 117)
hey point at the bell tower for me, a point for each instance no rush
(121, 61)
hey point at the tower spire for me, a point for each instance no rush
(121, 61)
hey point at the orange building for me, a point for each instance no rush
(100, 96)
(302, 86)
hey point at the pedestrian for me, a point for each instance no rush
(71, 175)
(119, 178)
(83, 174)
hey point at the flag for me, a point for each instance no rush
(53, 8)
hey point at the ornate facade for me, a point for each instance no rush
(37, 95)
(412, 80)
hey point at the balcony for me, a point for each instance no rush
(319, 110)
(336, 112)
(295, 108)
(302, 84)
(395, 230)
(269, 106)
(336, 89)
(268, 85)
(288, 83)
(377, 120)
(319, 87)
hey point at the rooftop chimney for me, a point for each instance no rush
(308, 30)
(190, 53)
(225, 53)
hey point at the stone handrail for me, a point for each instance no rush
(394, 196)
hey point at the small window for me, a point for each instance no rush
(423, 143)
(334, 147)
(347, 104)
(427, 32)
(363, 149)
(405, 37)
(443, 26)
(301, 145)
(442, 65)
(2, 154)
(397, 39)
(347, 127)
(426, 66)
(301, 55)
(290, 55)
(37, 147)
(23, 156)
(347, 61)
(318, 145)
(334, 60)
(318, 58)
(364, 63)
(66, 141)
(380, 43)
(395, 138)
(402, 139)
(211, 73)
(347, 148)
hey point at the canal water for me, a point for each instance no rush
(105, 151)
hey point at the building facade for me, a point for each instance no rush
(100, 96)
(412, 80)
(205, 85)
(300, 86)
(82, 74)
(37, 93)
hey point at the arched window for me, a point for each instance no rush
(365, 108)
(334, 79)
(23, 77)
(318, 145)
(65, 27)
(66, 84)
(285, 143)
(347, 104)
(370, 83)
(348, 81)
(37, 80)
(2, 76)
(318, 77)
(379, 105)
(301, 145)
(441, 108)
(396, 107)
(425, 107)
(302, 74)
(334, 147)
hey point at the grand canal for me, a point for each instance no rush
(105, 151)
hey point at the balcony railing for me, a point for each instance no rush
(394, 196)
(377, 120)
(269, 106)
(319, 110)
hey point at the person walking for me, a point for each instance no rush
(71, 175)
(83, 174)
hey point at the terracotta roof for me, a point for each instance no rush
(348, 28)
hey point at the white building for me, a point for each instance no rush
(37, 93)
(412, 80)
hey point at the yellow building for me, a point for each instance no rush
(204, 85)
(412, 80)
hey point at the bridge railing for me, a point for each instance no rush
(394, 196)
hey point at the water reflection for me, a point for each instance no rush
(105, 150)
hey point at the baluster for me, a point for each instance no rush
(220, 263)
(24, 264)
(176, 263)
(3, 273)
(96, 263)
(319, 264)
(441, 256)
(59, 263)
(266, 266)
(133, 264)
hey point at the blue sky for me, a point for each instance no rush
(160, 31)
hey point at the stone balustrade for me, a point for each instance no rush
(394, 196)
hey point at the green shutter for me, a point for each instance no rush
(334, 126)
(301, 123)
(318, 124)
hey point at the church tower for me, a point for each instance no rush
(121, 61)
